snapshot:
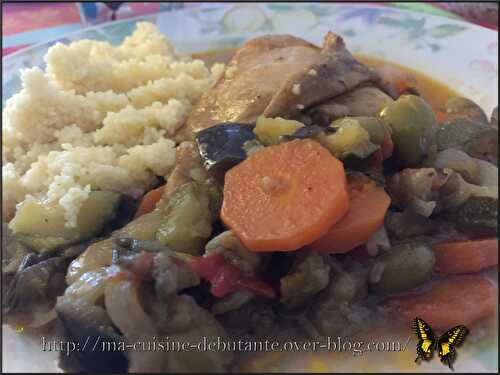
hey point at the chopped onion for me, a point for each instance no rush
(379, 241)
(125, 310)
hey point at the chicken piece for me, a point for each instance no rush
(253, 76)
(333, 73)
(283, 76)
(363, 101)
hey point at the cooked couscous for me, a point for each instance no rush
(98, 118)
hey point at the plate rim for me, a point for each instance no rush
(222, 6)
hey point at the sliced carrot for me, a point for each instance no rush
(284, 197)
(149, 200)
(456, 300)
(466, 256)
(368, 205)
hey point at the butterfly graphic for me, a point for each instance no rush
(445, 345)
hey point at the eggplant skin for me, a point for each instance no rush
(84, 326)
(221, 146)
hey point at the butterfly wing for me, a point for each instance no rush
(448, 342)
(426, 339)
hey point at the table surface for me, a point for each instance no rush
(25, 24)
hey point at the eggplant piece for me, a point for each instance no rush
(13, 251)
(83, 323)
(32, 281)
(222, 146)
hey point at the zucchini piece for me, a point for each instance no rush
(42, 227)
(477, 216)
(457, 133)
(305, 280)
(351, 138)
(270, 130)
(403, 267)
(142, 228)
(408, 224)
(186, 223)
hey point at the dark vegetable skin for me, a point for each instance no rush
(84, 322)
(478, 216)
(222, 146)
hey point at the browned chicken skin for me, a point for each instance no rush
(280, 75)
(252, 77)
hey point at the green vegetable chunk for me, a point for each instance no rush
(142, 228)
(42, 226)
(304, 280)
(456, 133)
(467, 108)
(186, 222)
(476, 139)
(355, 136)
(408, 224)
(477, 216)
(484, 145)
(404, 267)
(270, 130)
(411, 121)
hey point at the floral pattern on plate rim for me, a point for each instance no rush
(423, 36)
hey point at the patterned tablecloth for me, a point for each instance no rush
(25, 24)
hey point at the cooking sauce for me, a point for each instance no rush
(433, 91)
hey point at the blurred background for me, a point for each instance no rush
(24, 24)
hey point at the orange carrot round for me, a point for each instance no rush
(149, 200)
(284, 197)
(453, 301)
(466, 256)
(367, 209)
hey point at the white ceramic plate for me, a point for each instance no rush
(462, 55)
